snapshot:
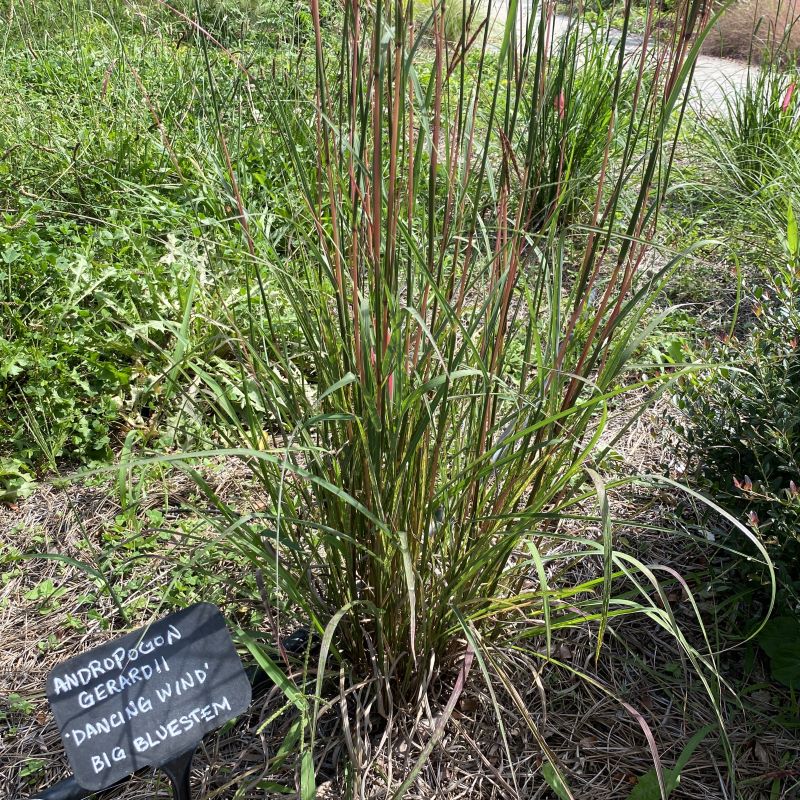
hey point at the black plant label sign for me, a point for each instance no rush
(147, 697)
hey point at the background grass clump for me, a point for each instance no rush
(757, 31)
(755, 144)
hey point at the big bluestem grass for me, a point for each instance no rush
(466, 272)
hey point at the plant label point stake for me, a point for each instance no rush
(146, 699)
(179, 772)
(178, 769)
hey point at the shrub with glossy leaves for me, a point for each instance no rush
(744, 419)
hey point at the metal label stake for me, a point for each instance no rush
(178, 769)
(179, 772)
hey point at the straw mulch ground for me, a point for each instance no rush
(601, 745)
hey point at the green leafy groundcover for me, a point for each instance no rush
(117, 221)
(47, 362)
(71, 356)
(780, 640)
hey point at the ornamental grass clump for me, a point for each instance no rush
(434, 422)
(754, 143)
(565, 125)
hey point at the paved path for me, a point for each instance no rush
(714, 78)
